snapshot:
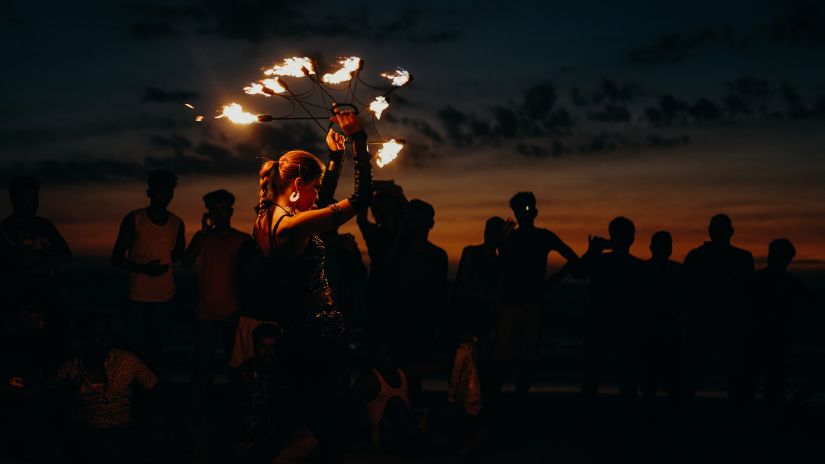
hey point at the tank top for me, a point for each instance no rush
(299, 281)
(152, 242)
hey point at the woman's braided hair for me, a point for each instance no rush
(276, 175)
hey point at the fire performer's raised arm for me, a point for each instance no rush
(295, 187)
(337, 147)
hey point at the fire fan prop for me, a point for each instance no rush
(313, 94)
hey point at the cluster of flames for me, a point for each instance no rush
(299, 67)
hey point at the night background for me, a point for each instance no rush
(664, 112)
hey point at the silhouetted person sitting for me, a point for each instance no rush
(270, 419)
(31, 251)
(381, 400)
(776, 296)
(716, 275)
(215, 248)
(616, 279)
(99, 386)
(524, 259)
(661, 324)
(149, 241)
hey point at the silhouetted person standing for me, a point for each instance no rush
(31, 250)
(215, 248)
(776, 296)
(421, 301)
(716, 274)
(345, 270)
(661, 323)
(613, 322)
(524, 259)
(477, 292)
(478, 283)
(382, 239)
(149, 241)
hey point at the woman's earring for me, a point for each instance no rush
(295, 196)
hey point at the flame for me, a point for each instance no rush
(291, 67)
(388, 152)
(255, 89)
(235, 113)
(378, 106)
(189, 105)
(348, 67)
(266, 87)
(400, 77)
(199, 118)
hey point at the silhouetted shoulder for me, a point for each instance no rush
(742, 254)
(550, 238)
(436, 251)
(240, 235)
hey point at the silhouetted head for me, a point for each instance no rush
(295, 171)
(420, 218)
(24, 193)
(161, 187)
(720, 229)
(95, 337)
(389, 206)
(493, 230)
(265, 339)
(220, 203)
(622, 232)
(523, 205)
(661, 245)
(780, 254)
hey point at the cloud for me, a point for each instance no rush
(611, 113)
(669, 111)
(258, 20)
(678, 46)
(705, 110)
(74, 170)
(179, 154)
(799, 23)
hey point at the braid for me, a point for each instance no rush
(265, 178)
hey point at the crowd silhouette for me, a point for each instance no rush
(279, 302)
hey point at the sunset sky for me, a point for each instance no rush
(664, 112)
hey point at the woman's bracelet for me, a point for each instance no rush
(337, 215)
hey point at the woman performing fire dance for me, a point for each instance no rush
(290, 288)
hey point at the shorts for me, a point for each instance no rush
(518, 333)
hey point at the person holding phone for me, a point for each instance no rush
(150, 240)
(613, 319)
(215, 249)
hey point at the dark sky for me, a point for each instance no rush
(666, 112)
